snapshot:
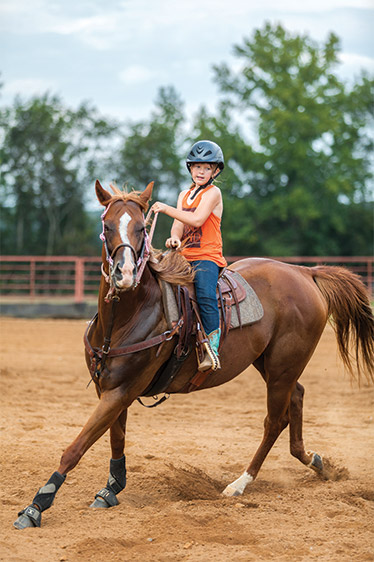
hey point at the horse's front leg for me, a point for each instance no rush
(107, 496)
(110, 407)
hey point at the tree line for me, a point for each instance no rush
(297, 142)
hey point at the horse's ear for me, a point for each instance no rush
(146, 195)
(102, 194)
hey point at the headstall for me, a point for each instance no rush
(140, 261)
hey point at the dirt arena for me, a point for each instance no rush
(180, 456)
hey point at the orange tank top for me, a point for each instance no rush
(203, 242)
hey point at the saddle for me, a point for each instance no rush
(230, 291)
(237, 302)
(238, 305)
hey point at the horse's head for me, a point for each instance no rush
(124, 234)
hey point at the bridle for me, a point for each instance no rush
(140, 259)
(98, 356)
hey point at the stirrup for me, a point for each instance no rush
(210, 361)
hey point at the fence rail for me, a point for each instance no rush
(77, 278)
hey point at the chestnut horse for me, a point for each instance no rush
(129, 341)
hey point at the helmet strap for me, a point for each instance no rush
(205, 185)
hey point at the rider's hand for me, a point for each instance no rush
(159, 207)
(173, 243)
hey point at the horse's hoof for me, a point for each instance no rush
(29, 517)
(230, 491)
(237, 487)
(22, 522)
(99, 502)
(316, 463)
(104, 499)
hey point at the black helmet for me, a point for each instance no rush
(205, 151)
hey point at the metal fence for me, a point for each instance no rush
(74, 278)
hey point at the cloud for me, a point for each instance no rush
(313, 6)
(29, 86)
(126, 44)
(357, 61)
(97, 31)
(104, 23)
(38, 17)
(104, 26)
(353, 64)
(136, 74)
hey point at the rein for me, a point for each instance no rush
(140, 262)
(146, 248)
(98, 355)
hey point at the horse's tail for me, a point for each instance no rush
(353, 321)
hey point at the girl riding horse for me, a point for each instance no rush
(197, 229)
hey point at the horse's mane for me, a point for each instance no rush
(125, 196)
(170, 266)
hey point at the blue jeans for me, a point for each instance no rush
(206, 278)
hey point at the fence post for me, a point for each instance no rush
(370, 276)
(79, 280)
(32, 277)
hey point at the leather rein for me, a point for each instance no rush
(99, 355)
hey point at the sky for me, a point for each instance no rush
(118, 53)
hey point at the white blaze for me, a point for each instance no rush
(123, 224)
(128, 266)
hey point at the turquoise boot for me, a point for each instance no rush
(214, 338)
(211, 357)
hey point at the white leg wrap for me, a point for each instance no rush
(237, 487)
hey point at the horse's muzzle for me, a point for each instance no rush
(123, 276)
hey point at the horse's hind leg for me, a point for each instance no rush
(297, 449)
(278, 399)
(107, 496)
(285, 406)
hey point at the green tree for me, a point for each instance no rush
(48, 155)
(311, 164)
(152, 151)
(239, 234)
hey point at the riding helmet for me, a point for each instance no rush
(205, 151)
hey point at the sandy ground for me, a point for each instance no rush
(180, 456)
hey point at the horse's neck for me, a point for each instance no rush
(131, 309)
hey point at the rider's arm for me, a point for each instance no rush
(208, 204)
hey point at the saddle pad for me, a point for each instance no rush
(169, 302)
(250, 308)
